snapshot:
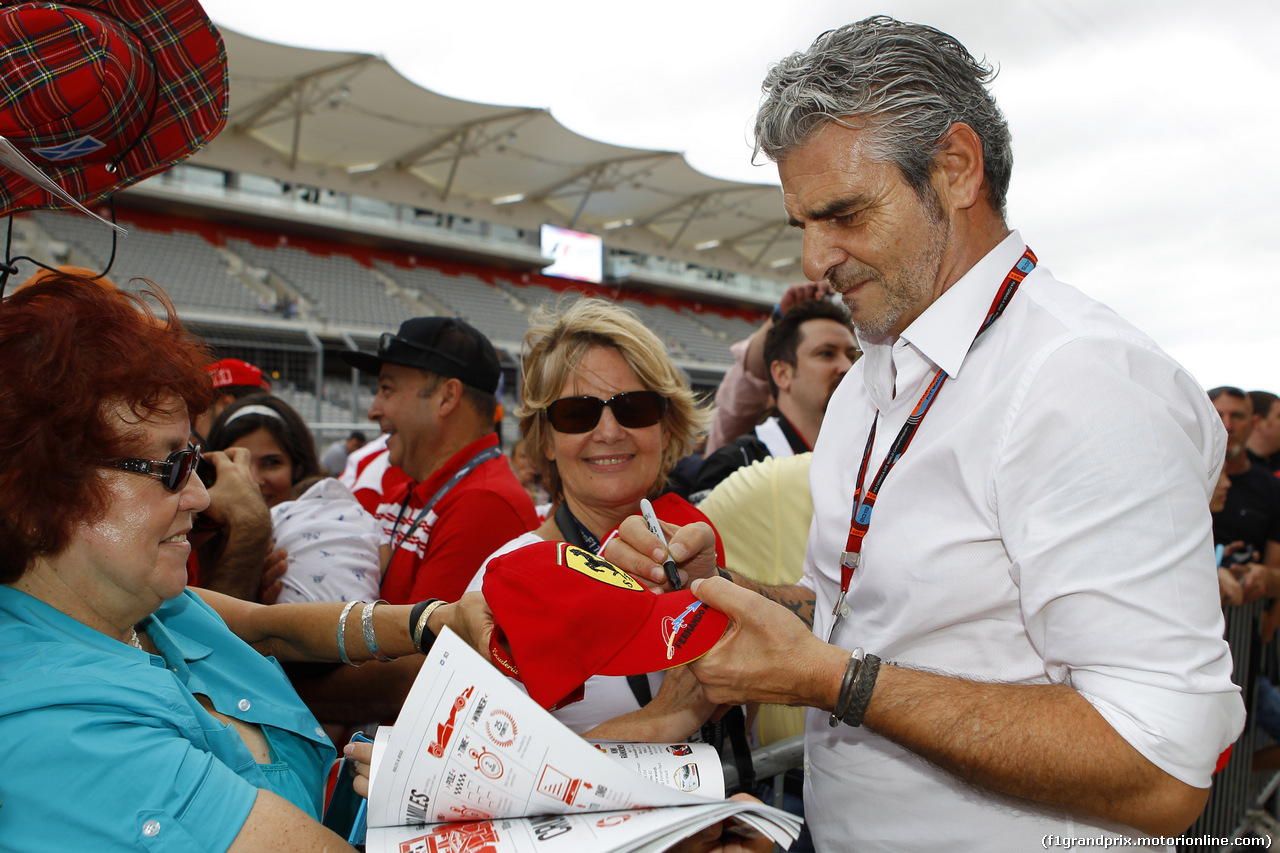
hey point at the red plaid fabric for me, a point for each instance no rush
(103, 93)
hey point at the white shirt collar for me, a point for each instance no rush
(945, 331)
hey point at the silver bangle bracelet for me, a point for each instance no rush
(366, 624)
(421, 630)
(342, 633)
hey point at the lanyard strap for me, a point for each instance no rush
(467, 467)
(574, 531)
(863, 505)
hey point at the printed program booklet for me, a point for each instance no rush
(473, 765)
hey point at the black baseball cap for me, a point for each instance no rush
(443, 345)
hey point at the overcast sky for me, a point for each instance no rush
(1144, 132)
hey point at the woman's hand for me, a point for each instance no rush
(361, 755)
(639, 553)
(469, 617)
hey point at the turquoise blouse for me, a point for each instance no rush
(104, 747)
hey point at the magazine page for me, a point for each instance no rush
(473, 764)
(469, 745)
(690, 767)
(631, 831)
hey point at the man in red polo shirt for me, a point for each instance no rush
(436, 403)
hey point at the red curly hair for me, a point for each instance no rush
(71, 350)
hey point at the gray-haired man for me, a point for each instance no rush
(1036, 576)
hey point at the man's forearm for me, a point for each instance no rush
(1043, 743)
(237, 571)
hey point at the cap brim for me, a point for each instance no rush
(363, 361)
(661, 643)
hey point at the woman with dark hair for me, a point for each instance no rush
(282, 451)
(133, 712)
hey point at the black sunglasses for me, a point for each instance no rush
(389, 339)
(633, 410)
(173, 471)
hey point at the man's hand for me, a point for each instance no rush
(236, 505)
(273, 569)
(1254, 581)
(234, 494)
(805, 292)
(1229, 589)
(638, 552)
(767, 654)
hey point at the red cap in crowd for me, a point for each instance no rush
(230, 372)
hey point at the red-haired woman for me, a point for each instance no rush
(131, 715)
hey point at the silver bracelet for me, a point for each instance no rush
(420, 630)
(342, 633)
(366, 624)
(851, 672)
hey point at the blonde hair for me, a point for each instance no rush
(555, 346)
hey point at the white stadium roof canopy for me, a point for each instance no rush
(350, 122)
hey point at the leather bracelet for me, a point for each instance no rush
(370, 640)
(724, 573)
(420, 629)
(342, 633)
(845, 696)
(865, 683)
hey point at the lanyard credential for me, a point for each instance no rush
(863, 504)
(467, 467)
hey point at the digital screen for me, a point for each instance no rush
(576, 255)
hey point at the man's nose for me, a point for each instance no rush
(821, 252)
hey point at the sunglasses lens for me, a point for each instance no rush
(575, 414)
(181, 464)
(633, 410)
(638, 409)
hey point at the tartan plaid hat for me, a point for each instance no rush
(100, 94)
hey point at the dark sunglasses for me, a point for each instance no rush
(633, 410)
(173, 471)
(389, 340)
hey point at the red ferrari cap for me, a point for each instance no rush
(567, 614)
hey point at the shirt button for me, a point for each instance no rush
(243, 705)
(320, 731)
(151, 828)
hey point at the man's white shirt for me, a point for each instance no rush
(1048, 523)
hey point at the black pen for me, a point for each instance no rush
(668, 565)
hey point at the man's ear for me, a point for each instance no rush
(958, 171)
(782, 374)
(450, 395)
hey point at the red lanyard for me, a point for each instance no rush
(862, 507)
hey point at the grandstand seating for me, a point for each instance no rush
(340, 289)
(730, 328)
(482, 306)
(235, 278)
(186, 265)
